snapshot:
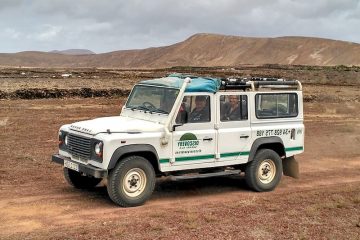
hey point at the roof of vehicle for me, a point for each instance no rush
(197, 84)
(207, 84)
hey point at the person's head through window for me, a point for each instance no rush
(200, 103)
(201, 111)
(231, 110)
(234, 101)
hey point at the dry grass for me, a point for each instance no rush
(191, 221)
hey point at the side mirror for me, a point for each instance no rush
(176, 125)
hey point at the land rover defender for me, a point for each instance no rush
(183, 124)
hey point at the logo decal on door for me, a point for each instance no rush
(188, 140)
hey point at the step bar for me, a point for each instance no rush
(205, 175)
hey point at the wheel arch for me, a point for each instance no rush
(274, 143)
(144, 150)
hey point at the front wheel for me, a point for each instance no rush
(264, 172)
(131, 182)
(77, 180)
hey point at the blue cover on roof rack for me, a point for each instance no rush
(197, 84)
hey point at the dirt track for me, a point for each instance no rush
(35, 201)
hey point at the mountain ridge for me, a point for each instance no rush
(205, 50)
(73, 51)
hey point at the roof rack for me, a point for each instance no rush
(241, 83)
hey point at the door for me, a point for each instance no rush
(194, 137)
(234, 133)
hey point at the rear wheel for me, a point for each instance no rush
(264, 172)
(131, 182)
(77, 180)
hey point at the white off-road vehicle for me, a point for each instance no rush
(184, 127)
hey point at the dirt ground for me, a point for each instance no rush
(37, 203)
(12, 79)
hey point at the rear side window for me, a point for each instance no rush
(233, 108)
(279, 105)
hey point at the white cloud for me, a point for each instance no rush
(48, 33)
(97, 27)
(11, 33)
(109, 25)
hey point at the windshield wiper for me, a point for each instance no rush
(161, 111)
(158, 110)
(141, 108)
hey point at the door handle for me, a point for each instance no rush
(207, 139)
(244, 136)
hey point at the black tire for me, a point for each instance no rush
(79, 181)
(131, 182)
(268, 177)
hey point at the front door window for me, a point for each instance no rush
(194, 109)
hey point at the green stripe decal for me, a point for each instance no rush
(222, 155)
(233, 154)
(194, 158)
(164, 160)
(294, 149)
(204, 157)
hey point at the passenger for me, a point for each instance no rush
(182, 115)
(231, 110)
(201, 111)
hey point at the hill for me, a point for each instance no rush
(205, 50)
(73, 52)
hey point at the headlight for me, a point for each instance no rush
(63, 140)
(98, 148)
(66, 139)
(61, 137)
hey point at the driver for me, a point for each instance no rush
(201, 111)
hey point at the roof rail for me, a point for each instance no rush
(240, 83)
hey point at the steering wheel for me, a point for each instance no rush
(149, 105)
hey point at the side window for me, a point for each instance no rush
(194, 109)
(280, 105)
(233, 108)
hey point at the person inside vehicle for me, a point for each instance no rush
(231, 110)
(182, 115)
(201, 111)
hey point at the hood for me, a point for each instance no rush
(116, 124)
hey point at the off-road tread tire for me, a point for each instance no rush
(114, 186)
(76, 180)
(252, 167)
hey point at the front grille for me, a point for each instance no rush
(79, 146)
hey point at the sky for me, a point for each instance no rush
(110, 25)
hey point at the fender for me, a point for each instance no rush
(121, 151)
(261, 141)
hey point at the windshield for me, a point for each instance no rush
(152, 99)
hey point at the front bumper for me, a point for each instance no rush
(87, 169)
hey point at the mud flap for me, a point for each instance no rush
(291, 167)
